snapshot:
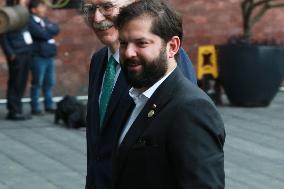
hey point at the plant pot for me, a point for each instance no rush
(251, 75)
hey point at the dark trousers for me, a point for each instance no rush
(18, 77)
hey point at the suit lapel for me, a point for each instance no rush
(159, 99)
(98, 67)
(125, 108)
(121, 88)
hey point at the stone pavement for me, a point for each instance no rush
(38, 154)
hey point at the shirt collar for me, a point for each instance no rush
(134, 93)
(115, 55)
(37, 19)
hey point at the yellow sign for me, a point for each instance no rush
(207, 61)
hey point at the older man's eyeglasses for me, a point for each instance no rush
(105, 8)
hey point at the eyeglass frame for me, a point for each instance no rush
(100, 7)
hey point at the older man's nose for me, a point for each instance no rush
(98, 16)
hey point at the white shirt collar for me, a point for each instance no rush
(37, 19)
(115, 55)
(135, 94)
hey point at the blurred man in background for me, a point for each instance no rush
(43, 66)
(17, 47)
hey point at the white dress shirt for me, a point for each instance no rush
(140, 99)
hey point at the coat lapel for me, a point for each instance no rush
(97, 72)
(98, 68)
(125, 108)
(121, 88)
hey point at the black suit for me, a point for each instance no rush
(100, 141)
(180, 146)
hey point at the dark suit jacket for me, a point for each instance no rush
(13, 43)
(41, 35)
(100, 141)
(180, 146)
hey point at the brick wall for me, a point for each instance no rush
(205, 22)
(212, 22)
(76, 43)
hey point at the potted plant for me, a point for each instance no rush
(251, 71)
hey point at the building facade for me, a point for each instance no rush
(205, 22)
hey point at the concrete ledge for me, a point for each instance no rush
(55, 99)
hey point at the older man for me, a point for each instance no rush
(173, 137)
(106, 87)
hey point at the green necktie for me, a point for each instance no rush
(107, 87)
